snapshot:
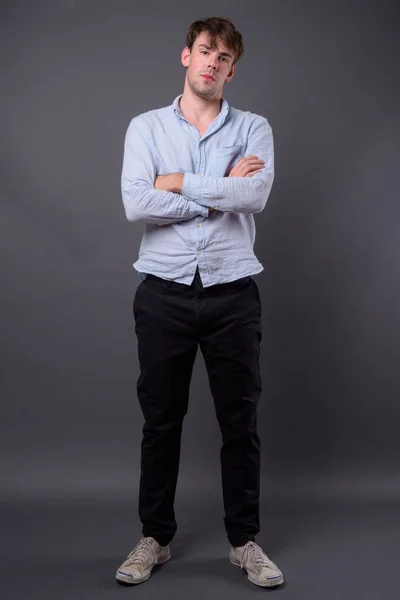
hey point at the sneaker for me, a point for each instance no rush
(260, 569)
(140, 562)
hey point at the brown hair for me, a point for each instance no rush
(217, 27)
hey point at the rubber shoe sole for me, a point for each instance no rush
(269, 582)
(123, 577)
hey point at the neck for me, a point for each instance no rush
(197, 109)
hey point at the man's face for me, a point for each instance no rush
(208, 68)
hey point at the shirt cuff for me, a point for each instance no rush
(195, 208)
(191, 186)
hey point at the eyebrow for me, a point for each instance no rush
(209, 48)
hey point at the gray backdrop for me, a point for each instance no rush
(325, 74)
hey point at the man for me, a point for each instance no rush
(194, 173)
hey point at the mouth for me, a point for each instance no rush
(208, 77)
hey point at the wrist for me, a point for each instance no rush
(178, 183)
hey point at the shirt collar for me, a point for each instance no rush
(177, 111)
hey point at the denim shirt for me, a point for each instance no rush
(180, 233)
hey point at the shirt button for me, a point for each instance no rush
(197, 224)
(198, 173)
(198, 252)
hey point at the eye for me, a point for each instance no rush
(224, 59)
(203, 51)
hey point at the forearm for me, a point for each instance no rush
(144, 203)
(229, 194)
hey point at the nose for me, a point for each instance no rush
(212, 62)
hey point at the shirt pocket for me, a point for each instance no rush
(222, 159)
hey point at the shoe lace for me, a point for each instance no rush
(140, 554)
(255, 554)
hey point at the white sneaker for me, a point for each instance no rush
(140, 562)
(260, 569)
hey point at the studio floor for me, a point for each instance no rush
(71, 547)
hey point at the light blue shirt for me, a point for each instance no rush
(179, 232)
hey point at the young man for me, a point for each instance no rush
(194, 173)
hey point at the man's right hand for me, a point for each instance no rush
(247, 167)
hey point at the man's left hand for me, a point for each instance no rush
(169, 183)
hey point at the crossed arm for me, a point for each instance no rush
(177, 197)
(246, 167)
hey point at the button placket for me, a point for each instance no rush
(199, 240)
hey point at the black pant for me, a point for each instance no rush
(172, 319)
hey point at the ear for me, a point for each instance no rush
(185, 56)
(231, 74)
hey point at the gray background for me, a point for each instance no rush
(325, 74)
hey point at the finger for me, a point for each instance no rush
(256, 164)
(253, 167)
(256, 161)
(247, 158)
(253, 163)
(253, 173)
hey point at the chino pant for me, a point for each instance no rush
(171, 321)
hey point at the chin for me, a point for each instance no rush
(207, 95)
